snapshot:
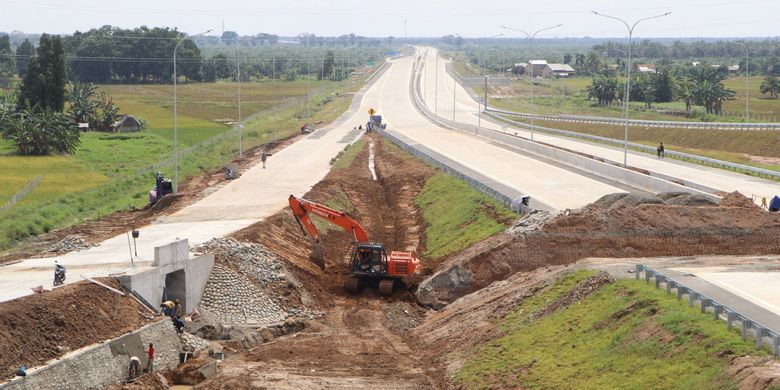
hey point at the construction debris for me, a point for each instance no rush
(72, 243)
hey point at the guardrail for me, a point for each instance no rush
(741, 126)
(754, 171)
(646, 123)
(746, 323)
(22, 193)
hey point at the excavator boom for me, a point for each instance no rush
(302, 207)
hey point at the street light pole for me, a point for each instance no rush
(175, 119)
(436, 86)
(627, 91)
(747, 78)
(531, 75)
(238, 120)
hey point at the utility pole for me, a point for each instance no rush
(175, 118)
(273, 81)
(531, 65)
(238, 121)
(627, 92)
(454, 83)
(436, 86)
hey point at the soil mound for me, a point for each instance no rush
(735, 199)
(617, 225)
(37, 328)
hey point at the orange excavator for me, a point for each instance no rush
(369, 264)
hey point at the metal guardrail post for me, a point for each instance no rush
(716, 310)
(730, 318)
(705, 302)
(776, 345)
(744, 326)
(760, 332)
(692, 297)
(639, 268)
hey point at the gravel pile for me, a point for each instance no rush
(243, 285)
(532, 221)
(193, 343)
(70, 243)
(235, 300)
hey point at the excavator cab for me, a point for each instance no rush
(368, 259)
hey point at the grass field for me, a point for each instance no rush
(568, 96)
(106, 173)
(626, 335)
(755, 148)
(457, 215)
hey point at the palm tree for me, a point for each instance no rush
(83, 106)
(771, 85)
(603, 89)
(686, 92)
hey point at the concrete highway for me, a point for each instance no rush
(260, 192)
(466, 111)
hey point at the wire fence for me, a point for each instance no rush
(22, 193)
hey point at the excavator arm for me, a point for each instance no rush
(302, 207)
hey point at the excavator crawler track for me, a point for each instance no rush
(352, 285)
(386, 287)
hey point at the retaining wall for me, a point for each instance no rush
(104, 364)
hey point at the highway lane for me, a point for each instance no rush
(466, 110)
(557, 187)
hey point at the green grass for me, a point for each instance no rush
(733, 146)
(103, 175)
(345, 157)
(457, 215)
(626, 335)
(60, 175)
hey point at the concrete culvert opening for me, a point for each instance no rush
(176, 287)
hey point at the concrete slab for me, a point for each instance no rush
(761, 288)
(466, 111)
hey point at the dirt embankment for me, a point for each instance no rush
(616, 225)
(37, 328)
(361, 341)
(384, 207)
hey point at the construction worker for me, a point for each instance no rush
(135, 368)
(179, 309)
(661, 151)
(150, 357)
(264, 156)
(168, 308)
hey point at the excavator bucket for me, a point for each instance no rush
(316, 256)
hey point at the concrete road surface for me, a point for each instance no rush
(260, 192)
(466, 111)
(556, 187)
(759, 287)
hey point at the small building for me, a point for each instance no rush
(127, 124)
(518, 68)
(558, 70)
(733, 68)
(645, 68)
(536, 67)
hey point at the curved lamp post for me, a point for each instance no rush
(627, 92)
(530, 75)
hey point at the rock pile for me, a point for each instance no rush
(70, 243)
(245, 283)
(192, 343)
(233, 298)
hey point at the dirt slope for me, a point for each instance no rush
(362, 341)
(617, 225)
(41, 327)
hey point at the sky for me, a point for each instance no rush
(424, 18)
